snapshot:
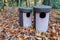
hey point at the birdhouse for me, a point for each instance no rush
(25, 15)
(41, 17)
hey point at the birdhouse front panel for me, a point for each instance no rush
(42, 20)
(27, 19)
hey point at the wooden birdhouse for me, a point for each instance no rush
(41, 17)
(25, 15)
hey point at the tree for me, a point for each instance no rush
(47, 2)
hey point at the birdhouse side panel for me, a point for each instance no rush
(21, 18)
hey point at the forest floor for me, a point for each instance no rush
(10, 29)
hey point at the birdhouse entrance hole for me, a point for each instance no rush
(42, 15)
(28, 14)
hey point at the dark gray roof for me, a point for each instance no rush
(25, 9)
(42, 8)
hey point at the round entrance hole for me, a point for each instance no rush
(42, 15)
(28, 14)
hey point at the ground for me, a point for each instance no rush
(11, 30)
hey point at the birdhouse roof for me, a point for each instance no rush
(42, 8)
(25, 10)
